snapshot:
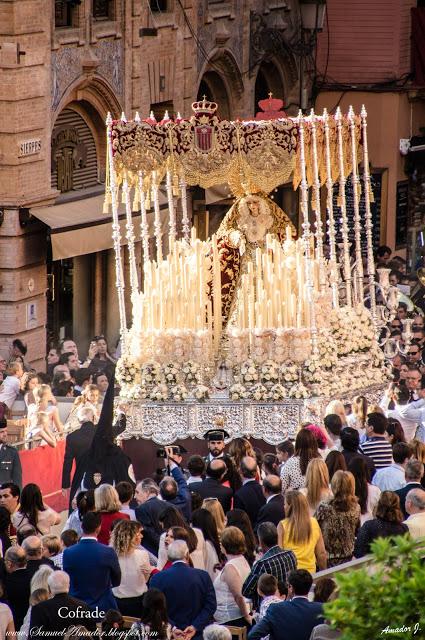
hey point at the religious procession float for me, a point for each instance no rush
(261, 324)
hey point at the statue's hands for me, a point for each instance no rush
(237, 241)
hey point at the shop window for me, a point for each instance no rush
(103, 9)
(66, 12)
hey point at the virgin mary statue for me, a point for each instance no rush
(242, 231)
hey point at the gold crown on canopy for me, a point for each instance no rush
(204, 106)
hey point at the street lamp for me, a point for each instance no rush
(312, 14)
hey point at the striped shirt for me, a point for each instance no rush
(379, 449)
(277, 562)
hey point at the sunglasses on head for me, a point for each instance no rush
(96, 338)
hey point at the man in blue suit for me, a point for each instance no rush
(93, 568)
(174, 488)
(293, 619)
(189, 592)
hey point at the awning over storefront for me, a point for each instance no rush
(80, 227)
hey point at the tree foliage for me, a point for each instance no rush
(385, 599)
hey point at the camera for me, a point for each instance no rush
(161, 453)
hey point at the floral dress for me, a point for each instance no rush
(339, 531)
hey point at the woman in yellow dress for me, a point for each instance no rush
(300, 533)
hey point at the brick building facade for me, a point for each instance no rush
(66, 63)
(364, 56)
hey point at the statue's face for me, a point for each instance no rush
(253, 206)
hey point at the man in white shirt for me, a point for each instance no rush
(10, 387)
(393, 477)
(415, 507)
(400, 396)
(416, 411)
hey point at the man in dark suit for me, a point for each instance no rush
(173, 488)
(216, 443)
(16, 579)
(189, 592)
(60, 611)
(10, 463)
(34, 550)
(414, 472)
(148, 511)
(293, 619)
(77, 446)
(93, 567)
(250, 496)
(211, 487)
(274, 509)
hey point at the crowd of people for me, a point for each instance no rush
(230, 540)
(66, 376)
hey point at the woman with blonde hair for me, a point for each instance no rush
(339, 519)
(216, 510)
(107, 503)
(43, 404)
(300, 533)
(126, 538)
(337, 407)
(358, 415)
(89, 398)
(317, 484)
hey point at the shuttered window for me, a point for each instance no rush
(74, 158)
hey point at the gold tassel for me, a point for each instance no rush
(123, 198)
(147, 203)
(105, 209)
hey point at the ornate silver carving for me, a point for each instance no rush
(165, 423)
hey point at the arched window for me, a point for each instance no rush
(213, 87)
(268, 81)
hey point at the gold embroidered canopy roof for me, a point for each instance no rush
(207, 151)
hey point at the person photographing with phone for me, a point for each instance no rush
(173, 487)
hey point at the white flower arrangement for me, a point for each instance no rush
(269, 371)
(277, 392)
(248, 372)
(258, 392)
(299, 391)
(288, 372)
(191, 372)
(159, 393)
(127, 371)
(238, 392)
(201, 393)
(171, 373)
(178, 393)
(151, 373)
(135, 392)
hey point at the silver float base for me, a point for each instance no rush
(166, 422)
